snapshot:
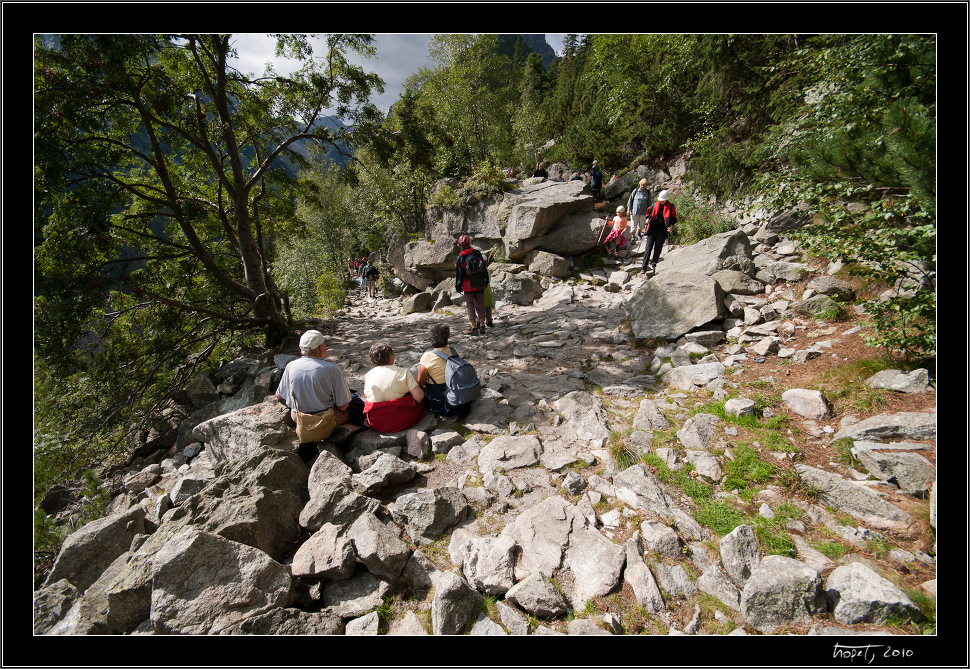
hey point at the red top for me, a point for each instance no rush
(466, 286)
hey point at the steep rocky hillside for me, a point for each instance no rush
(590, 491)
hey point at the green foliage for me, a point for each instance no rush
(445, 197)
(696, 221)
(861, 156)
(831, 549)
(486, 180)
(162, 179)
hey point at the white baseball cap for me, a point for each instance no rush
(311, 340)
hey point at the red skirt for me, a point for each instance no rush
(616, 236)
(393, 415)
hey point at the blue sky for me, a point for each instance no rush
(398, 56)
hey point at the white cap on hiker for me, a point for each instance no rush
(664, 196)
(621, 209)
(311, 340)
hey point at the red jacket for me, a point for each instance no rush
(393, 415)
(664, 211)
(460, 279)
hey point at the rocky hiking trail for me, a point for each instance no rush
(536, 355)
(744, 481)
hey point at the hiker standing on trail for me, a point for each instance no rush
(371, 275)
(660, 221)
(636, 206)
(595, 180)
(616, 236)
(541, 171)
(471, 279)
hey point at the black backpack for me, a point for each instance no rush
(371, 273)
(475, 270)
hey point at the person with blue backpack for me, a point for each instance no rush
(450, 383)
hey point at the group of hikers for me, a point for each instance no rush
(653, 220)
(394, 398)
(365, 273)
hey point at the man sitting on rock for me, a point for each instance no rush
(313, 385)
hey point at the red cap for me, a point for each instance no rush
(464, 240)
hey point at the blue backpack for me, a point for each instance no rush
(461, 381)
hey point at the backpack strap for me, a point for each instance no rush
(442, 356)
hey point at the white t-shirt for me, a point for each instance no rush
(388, 382)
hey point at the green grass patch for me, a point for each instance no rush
(746, 471)
(833, 550)
(721, 517)
(845, 389)
(699, 491)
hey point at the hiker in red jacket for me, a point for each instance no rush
(471, 279)
(660, 221)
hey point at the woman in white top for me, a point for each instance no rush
(386, 381)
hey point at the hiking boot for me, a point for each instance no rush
(473, 332)
(489, 324)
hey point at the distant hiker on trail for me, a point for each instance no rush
(595, 180)
(393, 399)
(560, 177)
(360, 272)
(577, 176)
(636, 205)
(541, 171)
(371, 274)
(471, 279)
(660, 221)
(617, 236)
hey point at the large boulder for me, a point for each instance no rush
(725, 251)
(203, 583)
(240, 434)
(857, 501)
(780, 592)
(673, 303)
(857, 594)
(89, 551)
(542, 206)
(544, 216)
(256, 501)
(550, 264)
(522, 288)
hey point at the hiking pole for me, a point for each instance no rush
(605, 225)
